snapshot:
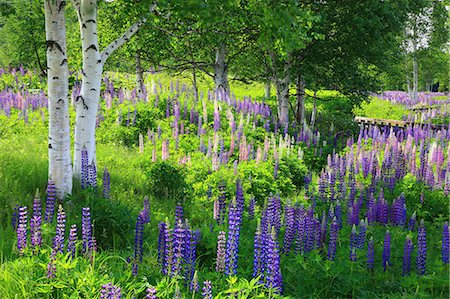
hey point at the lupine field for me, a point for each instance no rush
(214, 199)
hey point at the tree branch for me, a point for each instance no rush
(121, 40)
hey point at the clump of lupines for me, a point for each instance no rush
(207, 290)
(138, 242)
(234, 223)
(22, 229)
(370, 254)
(387, 251)
(106, 183)
(334, 228)
(72, 242)
(445, 244)
(220, 260)
(50, 203)
(421, 249)
(407, 251)
(58, 240)
(110, 291)
(86, 230)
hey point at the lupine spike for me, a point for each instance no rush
(421, 249)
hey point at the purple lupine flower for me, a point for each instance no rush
(138, 241)
(234, 223)
(194, 286)
(290, 227)
(146, 211)
(110, 291)
(387, 251)
(178, 247)
(51, 267)
(421, 249)
(207, 290)
(258, 258)
(334, 228)
(106, 183)
(362, 233)
(92, 168)
(239, 197)
(407, 251)
(353, 244)
(445, 244)
(167, 254)
(179, 213)
(35, 223)
(222, 203)
(58, 240)
(251, 208)
(273, 272)
(412, 222)
(22, 229)
(50, 203)
(72, 242)
(86, 230)
(151, 293)
(370, 254)
(84, 168)
(220, 260)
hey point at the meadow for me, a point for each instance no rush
(212, 198)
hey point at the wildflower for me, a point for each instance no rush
(408, 248)
(220, 261)
(421, 249)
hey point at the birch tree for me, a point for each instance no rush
(87, 102)
(60, 168)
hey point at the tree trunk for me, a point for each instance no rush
(221, 69)
(86, 104)
(194, 84)
(139, 76)
(59, 162)
(415, 78)
(300, 112)
(282, 85)
(314, 111)
(267, 89)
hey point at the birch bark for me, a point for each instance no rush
(59, 166)
(87, 102)
(221, 69)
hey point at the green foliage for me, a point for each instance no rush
(382, 109)
(167, 181)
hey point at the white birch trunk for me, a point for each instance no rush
(87, 103)
(59, 162)
(139, 76)
(221, 69)
(267, 89)
(282, 85)
(415, 78)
